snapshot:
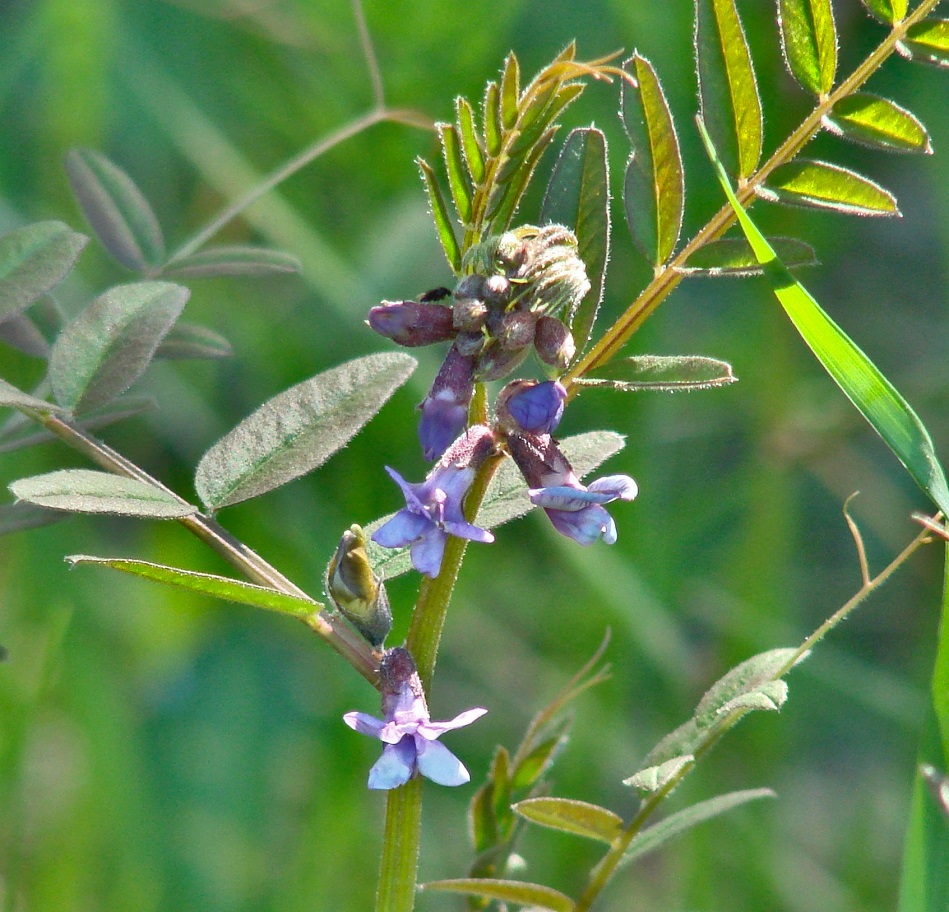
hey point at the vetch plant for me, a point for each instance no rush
(517, 331)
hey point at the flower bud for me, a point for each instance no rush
(412, 323)
(554, 343)
(468, 314)
(525, 405)
(445, 408)
(356, 591)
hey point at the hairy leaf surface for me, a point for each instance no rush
(34, 259)
(809, 41)
(116, 210)
(733, 257)
(664, 373)
(927, 42)
(299, 429)
(233, 260)
(111, 343)
(878, 123)
(654, 188)
(441, 216)
(572, 816)
(819, 185)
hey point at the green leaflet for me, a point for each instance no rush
(88, 491)
(116, 210)
(34, 259)
(470, 143)
(439, 209)
(571, 816)
(819, 185)
(663, 373)
(728, 91)
(927, 42)
(221, 587)
(887, 11)
(458, 180)
(653, 778)
(111, 343)
(233, 260)
(21, 516)
(578, 197)
(809, 41)
(12, 397)
(878, 123)
(733, 257)
(654, 188)
(660, 833)
(875, 397)
(298, 429)
(526, 894)
(188, 340)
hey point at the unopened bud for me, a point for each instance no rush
(468, 314)
(517, 330)
(554, 343)
(412, 323)
(525, 405)
(356, 591)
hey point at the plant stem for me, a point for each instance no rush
(345, 641)
(603, 872)
(668, 276)
(400, 848)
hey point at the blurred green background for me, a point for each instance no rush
(161, 751)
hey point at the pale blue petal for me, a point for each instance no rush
(620, 487)
(432, 730)
(403, 529)
(438, 763)
(427, 552)
(395, 766)
(364, 723)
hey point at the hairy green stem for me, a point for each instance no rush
(345, 641)
(668, 276)
(603, 872)
(403, 823)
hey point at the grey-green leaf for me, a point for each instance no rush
(188, 340)
(888, 413)
(660, 833)
(116, 210)
(34, 259)
(733, 257)
(809, 41)
(526, 894)
(11, 397)
(819, 185)
(653, 778)
(233, 260)
(684, 740)
(746, 678)
(878, 123)
(728, 90)
(927, 42)
(654, 188)
(22, 516)
(21, 332)
(111, 343)
(88, 491)
(571, 816)
(221, 587)
(299, 429)
(664, 373)
(578, 196)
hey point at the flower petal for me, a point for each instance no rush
(432, 730)
(427, 552)
(466, 530)
(620, 487)
(538, 408)
(566, 498)
(585, 526)
(403, 529)
(395, 766)
(364, 723)
(438, 763)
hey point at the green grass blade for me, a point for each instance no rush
(876, 398)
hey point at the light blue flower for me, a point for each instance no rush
(432, 512)
(411, 741)
(576, 510)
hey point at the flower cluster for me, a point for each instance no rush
(515, 287)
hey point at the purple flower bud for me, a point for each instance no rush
(525, 405)
(554, 343)
(445, 408)
(406, 730)
(412, 323)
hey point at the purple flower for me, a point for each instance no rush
(410, 737)
(433, 510)
(576, 511)
(533, 407)
(445, 408)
